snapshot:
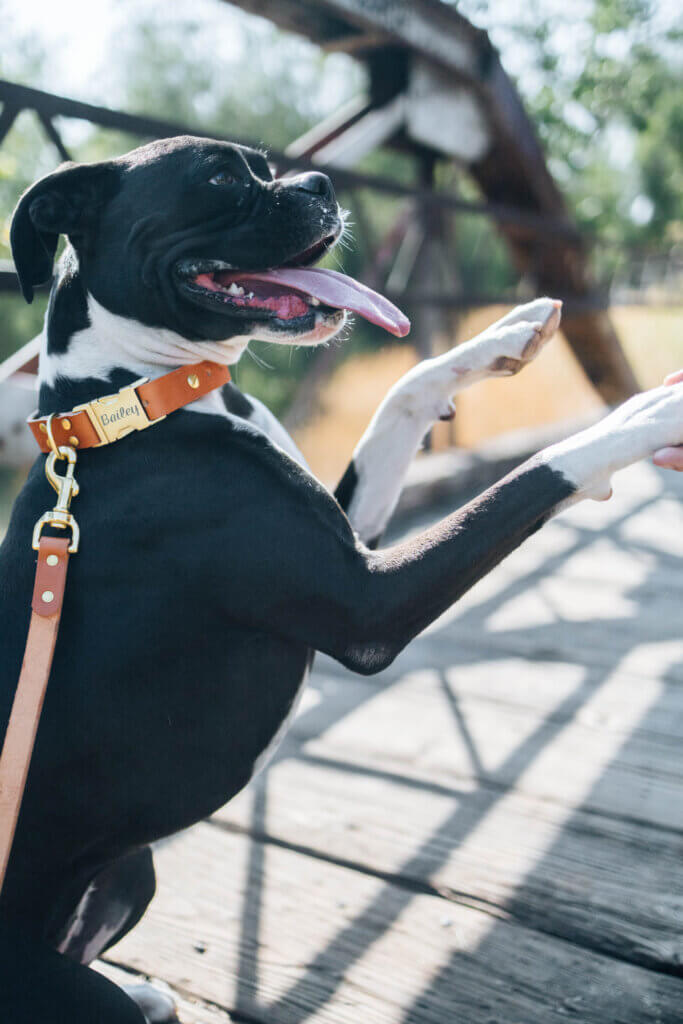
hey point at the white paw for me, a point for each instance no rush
(513, 341)
(545, 311)
(508, 350)
(648, 421)
(501, 351)
(158, 1007)
(633, 431)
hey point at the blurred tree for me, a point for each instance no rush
(602, 83)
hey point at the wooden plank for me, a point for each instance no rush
(283, 940)
(599, 747)
(519, 689)
(600, 644)
(599, 586)
(605, 884)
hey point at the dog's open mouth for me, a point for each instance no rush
(289, 294)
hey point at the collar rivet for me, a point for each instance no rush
(193, 381)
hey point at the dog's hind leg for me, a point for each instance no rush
(112, 904)
(371, 486)
(40, 986)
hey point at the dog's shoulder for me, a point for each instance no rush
(235, 456)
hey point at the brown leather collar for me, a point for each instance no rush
(135, 407)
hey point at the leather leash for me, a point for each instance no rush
(100, 422)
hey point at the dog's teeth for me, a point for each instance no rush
(314, 302)
(250, 295)
(235, 289)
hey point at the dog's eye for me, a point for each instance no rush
(222, 178)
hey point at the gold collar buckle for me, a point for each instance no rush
(116, 416)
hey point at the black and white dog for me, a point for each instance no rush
(213, 563)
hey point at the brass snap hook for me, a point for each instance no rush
(65, 485)
(67, 488)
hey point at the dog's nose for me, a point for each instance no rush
(318, 184)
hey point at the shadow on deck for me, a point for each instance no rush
(490, 830)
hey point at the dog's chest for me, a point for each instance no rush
(160, 700)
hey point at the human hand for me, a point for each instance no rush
(670, 458)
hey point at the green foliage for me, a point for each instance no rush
(270, 91)
(601, 81)
(19, 322)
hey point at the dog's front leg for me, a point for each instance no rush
(310, 579)
(420, 578)
(371, 486)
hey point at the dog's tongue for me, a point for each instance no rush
(340, 292)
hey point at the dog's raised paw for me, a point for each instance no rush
(509, 349)
(634, 430)
(508, 345)
(158, 1007)
(545, 311)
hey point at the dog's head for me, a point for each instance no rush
(185, 234)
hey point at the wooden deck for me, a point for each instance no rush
(489, 831)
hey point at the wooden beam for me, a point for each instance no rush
(426, 26)
(305, 17)
(355, 43)
(151, 127)
(8, 117)
(53, 135)
(318, 136)
(512, 171)
(522, 198)
(374, 129)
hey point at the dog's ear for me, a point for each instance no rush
(61, 203)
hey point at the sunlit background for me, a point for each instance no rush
(598, 77)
